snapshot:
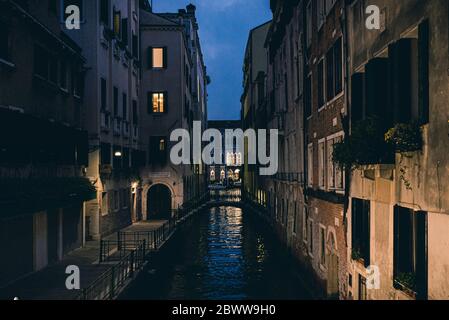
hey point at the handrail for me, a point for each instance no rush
(112, 280)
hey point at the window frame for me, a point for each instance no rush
(151, 105)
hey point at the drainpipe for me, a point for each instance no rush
(304, 117)
(346, 118)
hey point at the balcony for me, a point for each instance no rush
(117, 127)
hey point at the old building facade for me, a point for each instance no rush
(173, 96)
(43, 151)
(398, 205)
(253, 99)
(360, 110)
(109, 37)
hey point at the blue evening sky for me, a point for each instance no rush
(224, 27)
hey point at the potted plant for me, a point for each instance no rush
(405, 137)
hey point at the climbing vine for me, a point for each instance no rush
(405, 139)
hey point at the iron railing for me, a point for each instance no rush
(109, 284)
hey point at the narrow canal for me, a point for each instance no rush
(224, 254)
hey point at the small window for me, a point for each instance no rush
(158, 150)
(361, 231)
(162, 145)
(321, 165)
(310, 165)
(158, 58)
(158, 102)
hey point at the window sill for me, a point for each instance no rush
(404, 289)
(8, 64)
(338, 96)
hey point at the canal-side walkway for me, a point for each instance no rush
(49, 283)
(106, 266)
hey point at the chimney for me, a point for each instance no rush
(191, 9)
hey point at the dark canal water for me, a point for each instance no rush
(224, 254)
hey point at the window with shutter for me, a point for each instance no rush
(410, 251)
(360, 225)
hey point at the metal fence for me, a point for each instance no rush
(129, 253)
(109, 284)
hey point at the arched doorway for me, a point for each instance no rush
(159, 202)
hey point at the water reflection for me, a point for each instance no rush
(225, 254)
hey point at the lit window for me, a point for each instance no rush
(158, 58)
(158, 103)
(162, 145)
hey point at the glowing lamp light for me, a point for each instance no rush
(118, 154)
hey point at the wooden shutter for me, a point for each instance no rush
(376, 89)
(150, 57)
(421, 255)
(150, 102)
(357, 97)
(165, 57)
(423, 57)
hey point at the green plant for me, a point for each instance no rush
(356, 254)
(405, 137)
(366, 145)
(406, 280)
